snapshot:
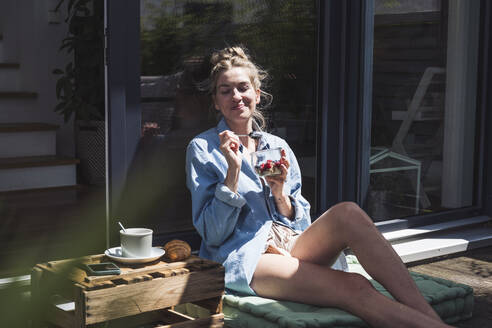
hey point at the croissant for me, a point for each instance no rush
(177, 250)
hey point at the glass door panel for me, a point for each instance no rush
(52, 134)
(424, 107)
(175, 38)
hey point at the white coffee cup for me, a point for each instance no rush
(136, 242)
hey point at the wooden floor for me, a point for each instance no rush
(473, 268)
(42, 225)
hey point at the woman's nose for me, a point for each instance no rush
(236, 95)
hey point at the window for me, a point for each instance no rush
(423, 133)
(175, 38)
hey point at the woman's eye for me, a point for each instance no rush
(243, 88)
(224, 91)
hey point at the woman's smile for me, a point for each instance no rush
(235, 96)
(238, 107)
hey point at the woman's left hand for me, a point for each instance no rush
(276, 182)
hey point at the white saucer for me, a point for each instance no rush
(115, 254)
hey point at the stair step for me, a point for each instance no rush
(445, 243)
(21, 110)
(412, 233)
(36, 172)
(27, 139)
(42, 197)
(27, 127)
(9, 65)
(18, 94)
(36, 161)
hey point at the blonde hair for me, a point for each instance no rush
(236, 56)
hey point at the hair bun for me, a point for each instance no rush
(228, 54)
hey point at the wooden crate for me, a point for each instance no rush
(64, 295)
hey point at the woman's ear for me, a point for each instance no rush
(258, 96)
(215, 103)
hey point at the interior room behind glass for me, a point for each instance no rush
(424, 106)
(175, 38)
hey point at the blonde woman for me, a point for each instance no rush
(260, 228)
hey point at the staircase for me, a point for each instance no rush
(28, 158)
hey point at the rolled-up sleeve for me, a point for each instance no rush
(225, 194)
(215, 207)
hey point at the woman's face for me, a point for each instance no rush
(235, 96)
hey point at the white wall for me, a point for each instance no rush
(29, 39)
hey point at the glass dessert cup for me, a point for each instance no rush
(267, 162)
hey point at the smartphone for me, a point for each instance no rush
(102, 269)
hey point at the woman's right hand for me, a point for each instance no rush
(229, 146)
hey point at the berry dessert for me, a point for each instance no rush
(268, 168)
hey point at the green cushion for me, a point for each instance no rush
(452, 301)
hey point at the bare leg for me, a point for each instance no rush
(288, 278)
(346, 225)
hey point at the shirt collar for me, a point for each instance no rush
(222, 126)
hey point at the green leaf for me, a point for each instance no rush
(59, 87)
(65, 45)
(60, 107)
(67, 90)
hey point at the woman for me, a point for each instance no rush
(260, 228)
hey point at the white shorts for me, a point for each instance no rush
(280, 239)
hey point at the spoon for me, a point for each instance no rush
(252, 134)
(122, 227)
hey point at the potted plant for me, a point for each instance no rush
(80, 85)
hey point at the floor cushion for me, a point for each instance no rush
(452, 301)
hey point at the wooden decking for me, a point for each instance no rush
(473, 268)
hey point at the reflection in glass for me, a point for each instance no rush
(424, 105)
(176, 37)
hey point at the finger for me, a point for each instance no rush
(230, 145)
(279, 178)
(231, 136)
(234, 146)
(284, 169)
(271, 181)
(229, 139)
(284, 159)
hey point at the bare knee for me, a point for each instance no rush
(348, 215)
(356, 289)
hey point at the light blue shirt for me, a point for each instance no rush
(234, 226)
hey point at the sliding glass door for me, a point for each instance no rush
(424, 117)
(174, 40)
